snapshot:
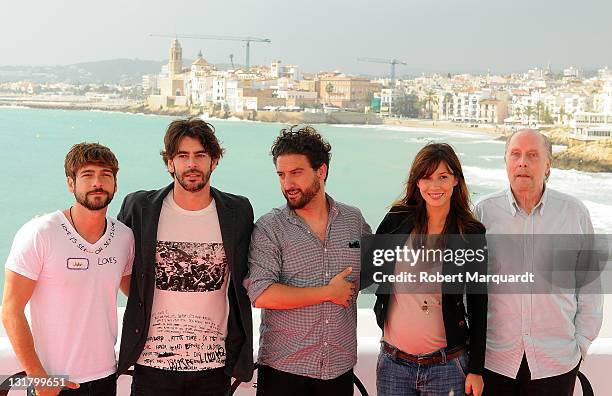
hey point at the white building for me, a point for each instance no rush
(387, 96)
(591, 126)
(233, 95)
(296, 94)
(200, 81)
(462, 107)
(572, 74)
(278, 70)
(150, 84)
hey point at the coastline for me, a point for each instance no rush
(593, 157)
(446, 126)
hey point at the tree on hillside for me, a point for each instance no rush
(529, 113)
(430, 100)
(547, 116)
(517, 112)
(407, 105)
(539, 109)
(329, 88)
(562, 115)
(448, 100)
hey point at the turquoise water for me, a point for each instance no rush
(368, 168)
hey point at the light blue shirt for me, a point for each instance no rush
(553, 330)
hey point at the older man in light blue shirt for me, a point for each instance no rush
(535, 341)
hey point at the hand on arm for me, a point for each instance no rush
(278, 296)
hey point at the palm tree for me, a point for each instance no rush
(448, 99)
(539, 108)
(329, 88)
(430, 99)
(406, 105)
(529, 113)
(562, 114)
(517, 111)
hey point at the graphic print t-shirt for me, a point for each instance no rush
(190, 305)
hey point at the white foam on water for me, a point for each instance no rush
(601, 216)
(423, 139)
(13, 107)
(491, 157)
(400, 128)
(584, 185)
(591, 188)
(488, 141)
(360, 126)
(485, 177)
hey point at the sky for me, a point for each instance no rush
(430, 35)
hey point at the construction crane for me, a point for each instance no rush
(391, 62)
(247, 39)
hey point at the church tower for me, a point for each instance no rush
(175, 60)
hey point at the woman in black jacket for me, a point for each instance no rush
(431, 344)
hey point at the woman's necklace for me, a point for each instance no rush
(429, 303)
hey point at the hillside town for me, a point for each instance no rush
(537, 98)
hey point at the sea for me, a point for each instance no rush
(368, 168)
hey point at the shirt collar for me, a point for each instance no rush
(514, 206)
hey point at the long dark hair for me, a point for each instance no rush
(425, 163)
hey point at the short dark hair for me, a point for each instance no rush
(195, 128)
(83, 154)
(306, 141)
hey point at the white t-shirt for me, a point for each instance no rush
(190, 305)
(73, 308)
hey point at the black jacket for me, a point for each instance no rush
(455, 317)
(140, 211)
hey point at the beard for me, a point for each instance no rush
(305, 195)
(95, 203)
(193, 187)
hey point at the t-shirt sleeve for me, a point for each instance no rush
(27, 252)
(130, 259)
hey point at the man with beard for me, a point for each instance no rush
(304, 263)
(69, 265)
(185, 337)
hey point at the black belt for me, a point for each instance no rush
(427, 359)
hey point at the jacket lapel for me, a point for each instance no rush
(150, 213)
(227, 221)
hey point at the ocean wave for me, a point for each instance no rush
(491, 157)
(14, 107)
(601, 216)
(583, 185)
(487, 141)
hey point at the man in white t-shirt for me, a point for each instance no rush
(187, 326)
(69, 266)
